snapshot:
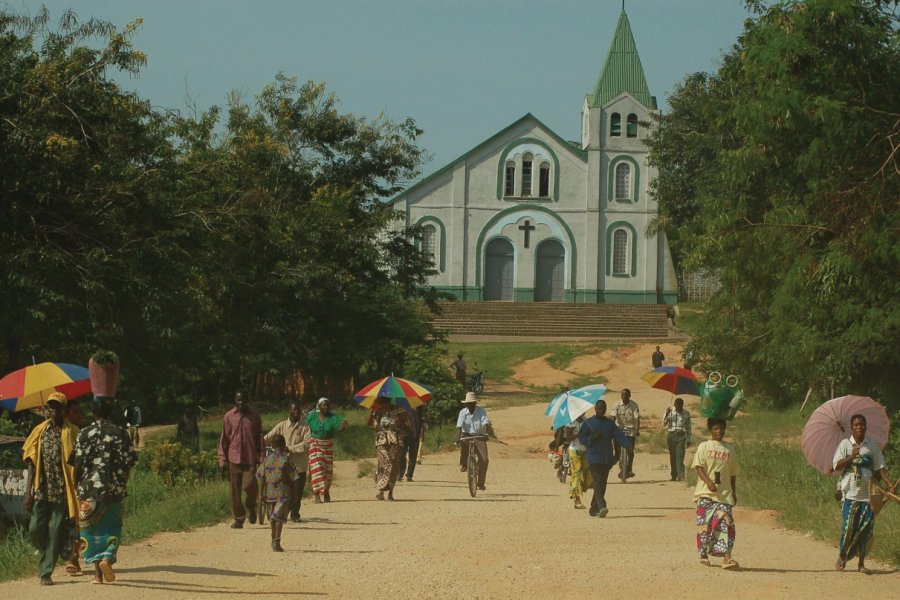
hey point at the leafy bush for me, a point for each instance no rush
(105, 357)
(430, 366)
(176, 465)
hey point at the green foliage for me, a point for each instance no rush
(176, 465)
(779, 174)
(429, 365)
(16, 553)
(206, 248)
(105, 357)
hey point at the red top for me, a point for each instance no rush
(242, 439)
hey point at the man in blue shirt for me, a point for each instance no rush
(597, 435)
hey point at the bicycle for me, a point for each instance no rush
(476, 381)
(472, 461)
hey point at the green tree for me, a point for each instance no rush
(790, 195)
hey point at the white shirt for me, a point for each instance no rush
(675, 421)
(575, 444)
(626, 416)
(474, 423)
(852, 488)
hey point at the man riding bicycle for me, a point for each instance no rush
(473, 421)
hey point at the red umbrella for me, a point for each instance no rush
(830, 423)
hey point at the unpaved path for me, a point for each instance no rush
(519, 539)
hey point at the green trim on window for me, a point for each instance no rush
(523, 207)
(609, 240)
(504, 157)
(611, 179)
(442, 246)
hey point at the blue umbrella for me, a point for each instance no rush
(577, 402)
(553, 407)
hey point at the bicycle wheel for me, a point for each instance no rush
(472, 470)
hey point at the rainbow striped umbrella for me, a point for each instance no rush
(405, 393)
(29, 387)
(673, 379)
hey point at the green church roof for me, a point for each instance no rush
(622, 71)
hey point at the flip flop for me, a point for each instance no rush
(730, 565)
(864, 571)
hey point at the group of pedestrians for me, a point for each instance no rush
(76, 484)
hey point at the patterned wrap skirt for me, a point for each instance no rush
(857, 530)
(581, 474)
(321, 464)
(715, 528)
(390, 452)
(101, 530)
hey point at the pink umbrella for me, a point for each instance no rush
(830, 423)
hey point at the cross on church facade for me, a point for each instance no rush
(527, 228)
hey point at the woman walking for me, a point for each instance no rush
(716, 494)
(859, 460)
(578, 465)
(323, 426)
(390, 424)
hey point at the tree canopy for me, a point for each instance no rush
(780, 171)
(206, 248)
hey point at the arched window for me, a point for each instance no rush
(527, 160)
(615, 125)
(509, 185)
(623, 182)
(429, 241)
(544, 181)
(631, 131)
(620, 252)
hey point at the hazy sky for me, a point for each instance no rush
(463, 69)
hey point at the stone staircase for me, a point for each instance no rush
(548, 319)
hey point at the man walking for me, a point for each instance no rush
(50, 486)
(411, 444)
(473, 421)
(677, 422)
(627, 415)
(133, 423)
(657, 358)
(296, 435)
(240, 452)
(597, 435)
(460, 367)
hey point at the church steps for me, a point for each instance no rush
(539, 319)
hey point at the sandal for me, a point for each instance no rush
(73, 570)
(730, 564)
(840, 564)
(864, 571)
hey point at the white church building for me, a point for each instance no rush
(527, 216)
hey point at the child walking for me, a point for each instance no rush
(276, 475)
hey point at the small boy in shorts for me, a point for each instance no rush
(276, 475)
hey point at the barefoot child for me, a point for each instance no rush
(276, 474)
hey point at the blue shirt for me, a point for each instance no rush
(597, 436)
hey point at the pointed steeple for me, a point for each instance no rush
(622, 71)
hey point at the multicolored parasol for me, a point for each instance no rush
(29, 387)
(405, 393)
(674, 380)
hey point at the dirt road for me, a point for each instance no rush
(519, 539)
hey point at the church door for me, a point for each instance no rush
(549, 280)
(498, 270)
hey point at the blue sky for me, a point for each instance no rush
(463, 69)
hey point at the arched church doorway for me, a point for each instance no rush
(549, 277)
(498, 270)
